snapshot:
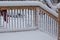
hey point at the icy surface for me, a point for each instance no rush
(28, 3)
(31, 35)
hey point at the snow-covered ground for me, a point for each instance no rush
(29, 35)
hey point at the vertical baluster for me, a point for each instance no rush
(55, 28)
(45, 23)
(12, 20)
(6, 20)
(17, 19)
(9, 19)
(1, 21)
(20, 19)
(37, 13)
(41, 20)
(32, 18)
(48, 24)
(35, 17)
(25, 18)
(8, 11)
(52, 26)
(28, 17)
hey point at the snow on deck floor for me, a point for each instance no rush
(29, 35)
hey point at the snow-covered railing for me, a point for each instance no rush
(21, 18)
(47, 23)
(38, 15)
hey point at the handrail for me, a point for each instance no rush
(48, 13)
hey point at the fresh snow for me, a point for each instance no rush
(28, 3)
(29, 35)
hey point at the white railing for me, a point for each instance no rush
(47, 24)
(18, 19)
(29, 18)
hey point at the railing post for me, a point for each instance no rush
(58, 24)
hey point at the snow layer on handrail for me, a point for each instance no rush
(28, 3)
